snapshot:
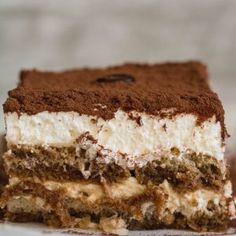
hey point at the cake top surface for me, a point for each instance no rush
(182, 87)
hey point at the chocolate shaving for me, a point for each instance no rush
(115, 78)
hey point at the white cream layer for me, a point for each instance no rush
(120, 134)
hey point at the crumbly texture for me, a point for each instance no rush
(88, 190)
(63, 164)
(62, 212)
(182, 87)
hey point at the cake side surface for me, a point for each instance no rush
(183, 170)
(134, 146)
(138, 206)
(146, 133)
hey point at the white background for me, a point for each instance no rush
(58, 34)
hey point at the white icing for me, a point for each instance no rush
(120, 134)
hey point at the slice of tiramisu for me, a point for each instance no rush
(134, 146)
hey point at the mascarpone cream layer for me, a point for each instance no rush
(120, 134)
(186, 203)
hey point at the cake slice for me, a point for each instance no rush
(132, 146)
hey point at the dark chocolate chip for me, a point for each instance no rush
(115, 78)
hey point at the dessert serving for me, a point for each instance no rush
(132, 146)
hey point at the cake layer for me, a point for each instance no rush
(131, 133)
(133, 146)
(84, 161)
(137, 206)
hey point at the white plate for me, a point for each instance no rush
(10, 229)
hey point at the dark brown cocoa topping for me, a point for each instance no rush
(182, 87)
